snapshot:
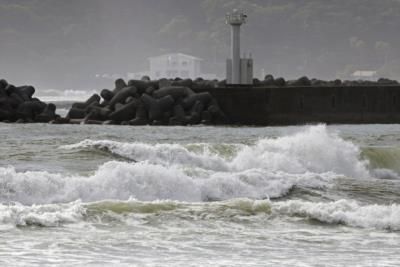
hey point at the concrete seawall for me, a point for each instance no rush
(300, 105)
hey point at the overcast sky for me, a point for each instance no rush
(64, 44)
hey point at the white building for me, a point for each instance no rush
(175, 65)
(368, 75)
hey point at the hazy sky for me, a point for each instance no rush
(63, 44)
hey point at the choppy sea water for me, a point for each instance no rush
(80, 195)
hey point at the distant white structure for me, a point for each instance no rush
(238, 70)
(173, 65)
(368, 75)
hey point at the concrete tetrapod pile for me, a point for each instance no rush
(147, 102)
(17, 104)
(270, 81)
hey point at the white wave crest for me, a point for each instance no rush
(164, 154)
(50, 215)
(113, 180)
(346, 212)
(314, 150)
(146, 182)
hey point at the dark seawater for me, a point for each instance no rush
(80, 195)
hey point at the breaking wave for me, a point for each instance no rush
(268, 169)
(104, 212)
(345, 212)
(313, 150)
(50, 215)
(342, 212)
(199, 172)
(147, 182)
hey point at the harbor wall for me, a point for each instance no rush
(301, 105)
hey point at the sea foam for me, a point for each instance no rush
(50, 215)
(347, 212)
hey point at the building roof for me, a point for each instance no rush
(177, 55)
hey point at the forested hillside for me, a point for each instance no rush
(63, 44)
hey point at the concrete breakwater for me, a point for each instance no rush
(147, 102)
(267, 102)
(189, 102)
(310, 101)
(17, 104)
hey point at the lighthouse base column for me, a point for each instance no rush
(229, 79)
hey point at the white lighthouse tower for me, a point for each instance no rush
(238, 70)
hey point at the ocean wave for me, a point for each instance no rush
(147, 182)
(50, 215)
(342, 212)
(124, 212)
(113, 180)
(383, 158)
(345, 212)
(163, 154)
(314, 150)
(270, 168)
